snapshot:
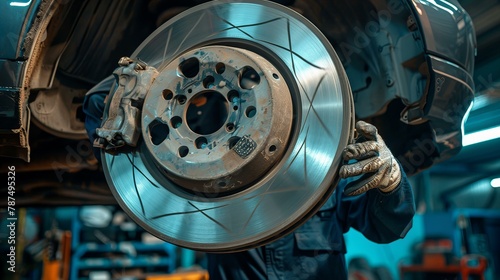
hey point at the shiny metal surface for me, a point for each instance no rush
(297, 185)
(449, 106)
(447, 30)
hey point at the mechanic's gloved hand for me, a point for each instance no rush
(374, 160)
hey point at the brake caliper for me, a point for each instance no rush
(122, 119)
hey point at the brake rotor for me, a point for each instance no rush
(242, 129)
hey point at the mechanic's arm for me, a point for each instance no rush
(380, 204)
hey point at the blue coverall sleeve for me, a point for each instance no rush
(380, 217)
(93, 108)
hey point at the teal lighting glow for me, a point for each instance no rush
(481, 136)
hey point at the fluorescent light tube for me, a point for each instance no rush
(495, 183)
(481, 136)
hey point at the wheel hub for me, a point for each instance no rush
(218, 109)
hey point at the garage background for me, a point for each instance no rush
(456, 228)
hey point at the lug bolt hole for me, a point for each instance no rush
(220, 68)
(208, 82)
(250, 112)
(272, 149)
(158, 131)
(233, 96)
(189, 68)
(181, 99)
(230, 127)
(248, 78)
(201, 142)
(176, 122)
(183, 151)
(167, 94)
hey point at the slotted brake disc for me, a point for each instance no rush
(243, 123)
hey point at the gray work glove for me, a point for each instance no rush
(373, 159)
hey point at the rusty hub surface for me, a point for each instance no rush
(219, 109)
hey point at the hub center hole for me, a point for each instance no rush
(207, 112)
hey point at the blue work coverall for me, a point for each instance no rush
(316, 249)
